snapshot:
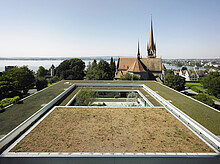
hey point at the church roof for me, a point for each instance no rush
(136, 67)
(153, 64)
(133, 64)
(125, 63)
(120, 73)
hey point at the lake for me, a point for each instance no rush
(34, 64)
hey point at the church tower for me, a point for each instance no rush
(151, 47)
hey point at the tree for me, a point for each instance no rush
(214, 88)
(100, 71)
(129, 76)
(174, 81)
(22, 78)
(54, 79)
(72, 69)
(6, 87)
(86, 97)
(206, 80)
(203, 98)
(103, 70)
(41, 83)
(41, 72)
(92, 71)
(212, 83)
(112, 68)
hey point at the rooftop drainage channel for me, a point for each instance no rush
(203, 133)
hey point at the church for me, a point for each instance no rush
(149, 68)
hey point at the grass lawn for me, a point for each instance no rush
(17, 113)
(111, 130)
(202, 114)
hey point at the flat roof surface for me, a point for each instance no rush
(82, 129)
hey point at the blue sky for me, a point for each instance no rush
(76, 28)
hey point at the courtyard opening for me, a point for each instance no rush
(120, 98)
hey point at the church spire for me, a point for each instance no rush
(138, 53)
(151, 48)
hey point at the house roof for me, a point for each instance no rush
(192, 72)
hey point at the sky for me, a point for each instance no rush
(84, 28)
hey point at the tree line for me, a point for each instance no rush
(18, 80)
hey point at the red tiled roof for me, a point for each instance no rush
(136, 67)
(125, 63)
(120, 73)
(153, 64)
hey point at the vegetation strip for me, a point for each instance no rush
(199, 112)
(16, 114)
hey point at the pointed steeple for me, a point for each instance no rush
(151, 48)
(138, 53)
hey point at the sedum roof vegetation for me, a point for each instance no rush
(17, 113)
(81, 129)
(204, 115)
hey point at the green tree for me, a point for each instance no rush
(54, 79)
(212, 83)
(41, 72)
(205, 99)
(208, 78)
(103, 70)
(92, 71)
(86, 97)
(72, 69)
(41, 83)
(214, 88)
(6, 87)
(22, 78)
(100, 71)
(112, 68)
(174, 81)
(129, 76)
